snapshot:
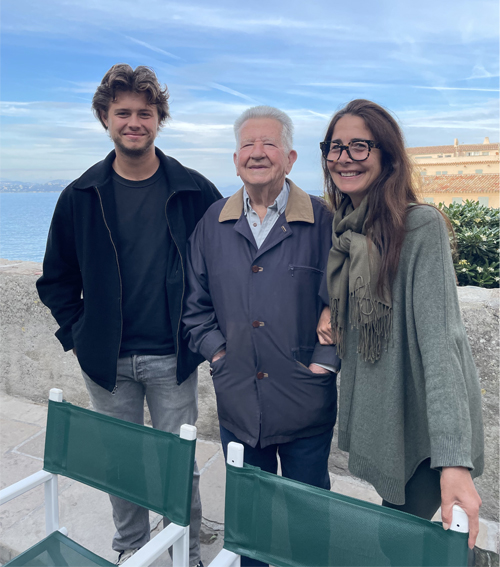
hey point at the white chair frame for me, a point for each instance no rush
(173, 535)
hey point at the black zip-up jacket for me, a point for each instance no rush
(81, 282)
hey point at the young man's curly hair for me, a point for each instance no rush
(122, 78)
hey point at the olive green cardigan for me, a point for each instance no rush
(422, 398)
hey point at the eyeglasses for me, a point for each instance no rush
(357, 150)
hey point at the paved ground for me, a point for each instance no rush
(87, 513)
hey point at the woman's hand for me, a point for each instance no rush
(458, 488)
(324, 328)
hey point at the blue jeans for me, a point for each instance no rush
(170, 405)
(305, 460)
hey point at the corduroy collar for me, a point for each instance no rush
(299, 206)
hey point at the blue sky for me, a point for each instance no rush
(434, 64)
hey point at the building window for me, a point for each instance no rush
(457, 200)
(438, 173)
(423, 173)
(460, 173)
(440, 155)
(448, 155)
(428, 199)
(484, 201)
(486, 153)
(473, 153)
(444, 173)
(479, 171)
(423, 157)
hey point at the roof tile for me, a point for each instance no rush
(451, 149)
(480, 183)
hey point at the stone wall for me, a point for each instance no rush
(32, 362)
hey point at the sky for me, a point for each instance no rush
(432, 63)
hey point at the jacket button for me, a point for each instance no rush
(255, 269)
(256, 324)
(260, 375)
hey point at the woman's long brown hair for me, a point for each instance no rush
(391, 193)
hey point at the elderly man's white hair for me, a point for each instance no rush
(268, 112)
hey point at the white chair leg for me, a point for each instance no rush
(51, 506)
(180, 550)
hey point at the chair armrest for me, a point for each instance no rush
(226, 558)
(24, 485)
(156, 547)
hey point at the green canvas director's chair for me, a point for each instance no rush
(290, 524)
(143, 465)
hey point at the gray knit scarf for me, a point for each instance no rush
(352, 275)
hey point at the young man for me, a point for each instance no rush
(114, 276)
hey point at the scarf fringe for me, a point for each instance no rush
(373, 319)
(337, 332)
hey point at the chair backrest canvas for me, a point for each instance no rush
(143, 465)
(288, 523)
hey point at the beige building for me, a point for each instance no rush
(456, 173)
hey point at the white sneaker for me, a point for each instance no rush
(125, 554)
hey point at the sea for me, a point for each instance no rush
(25, 222)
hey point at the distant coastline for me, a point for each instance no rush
(55, 186)
(58, 185)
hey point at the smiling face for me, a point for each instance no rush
(261, 159)
(354, 178)
(132, 124)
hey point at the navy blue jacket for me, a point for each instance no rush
(263, 305)
(81, 273)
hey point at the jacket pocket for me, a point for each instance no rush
(303, 355)
(214, 366)
(295, 270)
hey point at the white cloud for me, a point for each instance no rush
(340, 84)
(14, 108)
(153, 48)
(231, 91)
(479, 72)
(478, 118)
(477, 89)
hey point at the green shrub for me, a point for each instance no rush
(477, 237)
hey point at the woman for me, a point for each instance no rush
(410, 401)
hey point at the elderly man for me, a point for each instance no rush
(255, 268)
